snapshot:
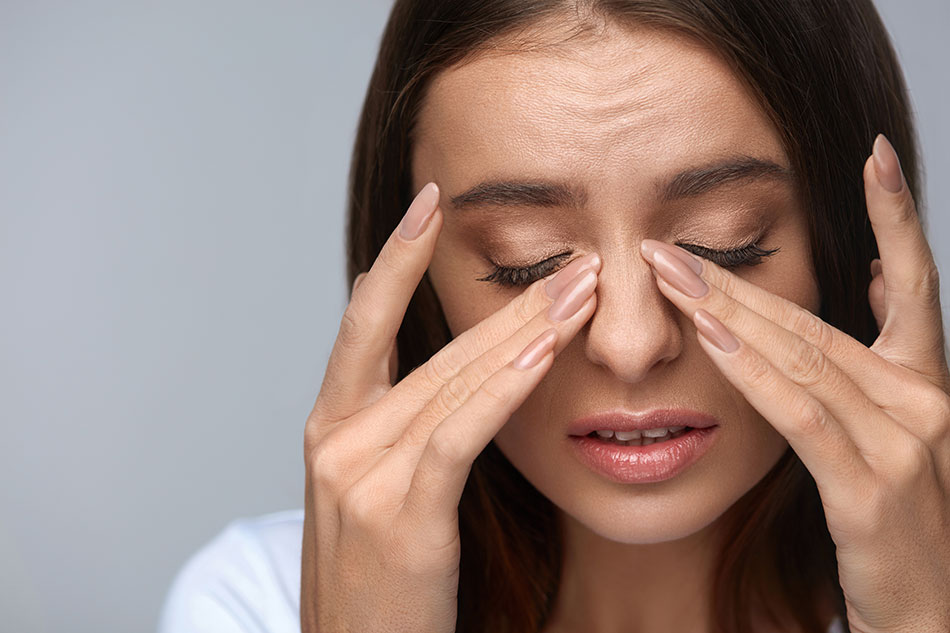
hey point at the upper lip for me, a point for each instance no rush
(619, 420)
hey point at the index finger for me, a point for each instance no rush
(359, 360)
(913, 321)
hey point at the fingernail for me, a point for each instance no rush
(713, 329)
(569, 272)
(536, 349)
(573, 296)
(887, 165)
(875, 267)
(675, 272)
(649, 247)
(417, 217)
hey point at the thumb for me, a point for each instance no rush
(876, 293)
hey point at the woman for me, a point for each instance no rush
(637, 223)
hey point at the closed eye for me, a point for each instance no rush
(750, 254)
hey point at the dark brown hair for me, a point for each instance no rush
(826, 74)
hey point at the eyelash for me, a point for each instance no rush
(750, 254)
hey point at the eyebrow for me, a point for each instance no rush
(687, 183)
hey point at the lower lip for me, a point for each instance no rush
(644, 464)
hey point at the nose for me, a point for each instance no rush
(635, 329)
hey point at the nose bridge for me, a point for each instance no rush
(635, 328)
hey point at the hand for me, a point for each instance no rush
(386, 465)
(872, 425)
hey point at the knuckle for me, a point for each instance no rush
(353, 327)
(455, 392)
(936, 405)
(812, 329)
(911, 463)
(807, 364)
(438, 370)
(524, 309)
(494, 390)
(812, 419)
(720, 277)
(927, 284)
(325, 464)
(360, 507)
(445, 447)
(728, 310)
(754, 369)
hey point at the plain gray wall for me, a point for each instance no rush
(172, 182)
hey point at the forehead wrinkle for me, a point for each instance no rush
(608, 86)
(609, 106)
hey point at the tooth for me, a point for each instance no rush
(676, 429)
(648, 440)
(655, 432)
(625, 436)
(605, 434)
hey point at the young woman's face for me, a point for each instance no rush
(617, 115)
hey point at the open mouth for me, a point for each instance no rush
(640, 438)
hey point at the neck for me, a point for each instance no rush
(611, 587)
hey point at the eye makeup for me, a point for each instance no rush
(748, 254)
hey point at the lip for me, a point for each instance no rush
(644, 464)
(619, 420)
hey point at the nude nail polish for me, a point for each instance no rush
(573, 296)
(567, 274)
(887, 165)
(417, 216)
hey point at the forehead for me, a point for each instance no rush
(626, 101)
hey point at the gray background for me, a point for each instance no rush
(171, 263)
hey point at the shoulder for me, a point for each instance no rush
(245, 579)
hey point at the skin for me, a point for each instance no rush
(619, 113)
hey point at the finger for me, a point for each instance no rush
(913, 324)
(798, 360)
(417, 389)
(868, 370)
(359, 361)
(443, 468)
(814, 434)
(395, 437)
(408, 445)
(393, 349)
(356, 283)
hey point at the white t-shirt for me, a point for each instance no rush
(247, 580)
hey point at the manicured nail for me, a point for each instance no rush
(876, 267)
(573, 296)
(648, 247)
(567, 274)
(713, 329)
(675, 272)
(887, 165)
(417, 217)
(536, 349)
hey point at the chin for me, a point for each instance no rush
(645, 513)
